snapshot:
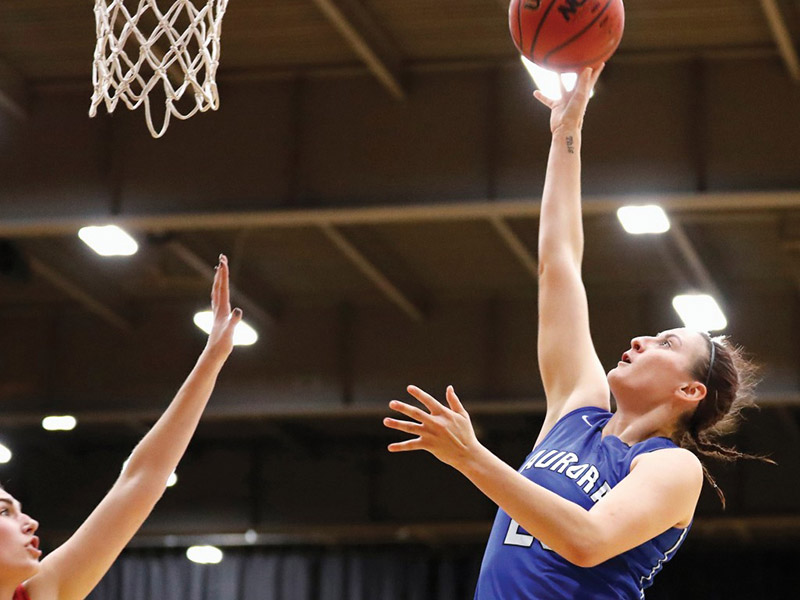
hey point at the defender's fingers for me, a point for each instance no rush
(454, 402)
(410, 411)
(415, 444)
(215, 288)
(224, 287)
(432, 404)
(233, 319)
(404, 426)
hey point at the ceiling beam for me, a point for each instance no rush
(363, 264)
(318, 411)
(74, 291)
(517, 246)
(782, 37)
(693, 261)
(368, 40)
(13, 92)
(252, 309)
(739, 531)
(720, 202)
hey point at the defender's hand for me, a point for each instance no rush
(220, 340)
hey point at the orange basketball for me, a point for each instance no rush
(566, 35)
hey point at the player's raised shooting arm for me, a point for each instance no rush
(74, 569)
(571, 371)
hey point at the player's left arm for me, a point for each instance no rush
(660, 492)
(71, 571)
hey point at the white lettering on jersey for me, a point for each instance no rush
(576, 471)
(585, 476)
(601, 491)
(564, 462)
(531, 460)
(548, 459)
(515, 538)
(589, 479)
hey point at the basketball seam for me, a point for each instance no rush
(580, 33)
(539, 28)
(579, 65)
(519, 24)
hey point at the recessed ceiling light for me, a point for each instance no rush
(108, 240)
(638, 220)
(5, 454)
(204, 555)
(59, 423)
(700, 311)
(243, 335)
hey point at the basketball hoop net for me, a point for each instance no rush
(180, 52)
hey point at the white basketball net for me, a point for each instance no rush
(180, 53)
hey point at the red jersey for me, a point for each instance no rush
(21, 593)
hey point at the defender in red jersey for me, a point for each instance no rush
(71, 571)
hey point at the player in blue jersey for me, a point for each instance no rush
(604, 499)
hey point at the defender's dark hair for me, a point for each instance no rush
(730, 380)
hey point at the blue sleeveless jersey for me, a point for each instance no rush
(576, 462)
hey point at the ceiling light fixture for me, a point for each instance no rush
(700, 312)
(108, 240)
(638, 220)
(204, 555)
(243, 335)
(59, 423)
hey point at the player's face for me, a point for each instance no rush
(657, 366)
(19, 547)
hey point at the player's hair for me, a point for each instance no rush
(730, 383)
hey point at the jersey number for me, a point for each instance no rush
(515, 538)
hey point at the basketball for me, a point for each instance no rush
(566, 35)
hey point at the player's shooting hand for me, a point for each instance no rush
(567, 112)
(220, 340)
(446, 433)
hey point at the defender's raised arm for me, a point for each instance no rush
(73, 570)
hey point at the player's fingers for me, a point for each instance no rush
(543, 99)
(415, 444)
(215, 288)
(410, 411)
(454, 402)
(596, 74)
(224, 287)
(235, 318)
(432, 404)
(404, 426)
(562, 87)
(583, 85)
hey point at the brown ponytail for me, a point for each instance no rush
(730, 382)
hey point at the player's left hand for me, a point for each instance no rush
(220, 340)
(447, 433)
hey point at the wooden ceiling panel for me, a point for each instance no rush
(268, 34)
(681, 24)
(447, 29)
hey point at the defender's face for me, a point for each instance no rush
(657, 365)
(19, 547)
